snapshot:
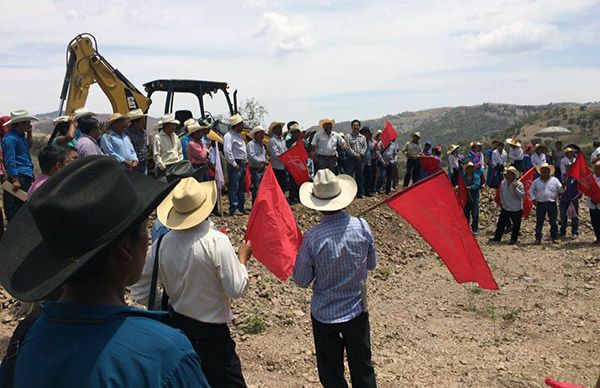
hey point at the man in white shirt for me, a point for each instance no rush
(234, 149)
(200, 272)
(498, 159)
(544, 193)
(325, 145)
(515, 154)
(539, 156)
(277, 147)
(512, 192)
(257, 158)
(566, 162)
(595, 207)
(166, 147)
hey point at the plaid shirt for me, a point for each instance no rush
(357, 144)
(140, 143)
(335, 256)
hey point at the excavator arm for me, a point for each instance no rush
(85, 66)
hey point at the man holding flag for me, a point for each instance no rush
(336, 256)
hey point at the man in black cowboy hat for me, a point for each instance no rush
(85, 230)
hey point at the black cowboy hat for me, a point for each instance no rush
(79, 211)
(182, 169)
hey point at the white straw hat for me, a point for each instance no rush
(136, 114)
(255, 130)
(82, 112)
(18, 116)
(190, 203)
(328, 192)
(235, 119)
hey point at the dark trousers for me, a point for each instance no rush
(370, 173)
(281, 176)
(595, 218)
(330, 341)
(471, 211)
(294, 192)
(324, 162)
(543, 208)
(504, 220)
(413, 170)
(256, 175)
(564, 220)
(11, 203)
(142, 168)
(216, 350)
(355, 168)
(235, 187)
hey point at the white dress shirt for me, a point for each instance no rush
(547, 191)
(277, 147)
(511, 195)
(200, 272)
(499, 158)
(166, 149)
(588, 200)
(325, 144)
(538, 160)
(453, 162)
(257, 155)
(234, 147)
(515, 154)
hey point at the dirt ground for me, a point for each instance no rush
(426, 330)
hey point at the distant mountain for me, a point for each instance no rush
(46, 126)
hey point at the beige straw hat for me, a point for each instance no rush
(190, 203)
(328, 192)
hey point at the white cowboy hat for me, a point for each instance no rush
(538, 146)
(169, 118)
(294, 127)
(543, 166)
(235, 119)
(192, 126)
(474, 143)
(513, 142)
(326, 121)
(114, 117)
(328, 192)
(276, 124)
(513, 170)
(18, 116)
(136, 114)
(82, 112)
(190, 203)
(60, 119)
(256, 130)
(417, 134)
(470, 164)
(452, 148)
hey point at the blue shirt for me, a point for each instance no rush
(336, 255)
(118, 146)
(184, 143)
(15, 149)
(473, 185)
(74, 345)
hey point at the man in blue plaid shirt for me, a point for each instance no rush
(336, 256)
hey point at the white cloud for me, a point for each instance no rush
(287, 35)
(515, 37)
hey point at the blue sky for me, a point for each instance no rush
(306, 60)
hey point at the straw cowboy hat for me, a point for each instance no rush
(569, 149)
(114, 117)
(328, 192)
(60, 119)
(18, 116)
(417, 134)
(513, 142)
(235, 119)
(452, 148)
(82, 112)
(295, 127)
(136, 114)
(169, 118)
(275, 124)
(543, 166)
(470, 164)
(475, 144)
(513, 170)
(326, 121)
(190, 203)
(256, 130)
(192, 125)
(101, 201)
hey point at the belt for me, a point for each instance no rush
(326, 156)
(240, 161)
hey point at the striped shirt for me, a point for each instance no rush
(140, 143)
(335, 256)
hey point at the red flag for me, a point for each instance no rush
(586, 183)
(247, 180)
(388, 135)
(462, 192)
(272, 228)
(560, 384)
(429, 164)
(527, 181)
(430, 206)
(294, 160)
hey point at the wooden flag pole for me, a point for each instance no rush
(375, 206)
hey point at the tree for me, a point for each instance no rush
(253, 112)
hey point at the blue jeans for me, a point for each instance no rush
(235, 187)
(256, 175)
(472, 212)
(386, 172)
(142, 168)
(355, 168)
(12, 204)
(541, 209)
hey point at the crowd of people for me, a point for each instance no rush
(80, 239)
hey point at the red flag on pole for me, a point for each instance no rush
(527, 181)
(462, 192)
(559, 384)
(430, 206)
(429, 164)
(272, 228)
(586, 183)
(247, 180)
(388, 135)
(294, 160)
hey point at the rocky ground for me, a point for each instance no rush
(426, 329)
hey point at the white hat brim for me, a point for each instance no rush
(348, 190)
(255, 131)
(17, 120)
(169, 217)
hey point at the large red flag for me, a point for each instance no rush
(586, 183)
(429, 164)
(272, 229)
(388, 135)
(527, 181)
(462, 192)
(560, 384)
(295, 160)
(430, 206)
